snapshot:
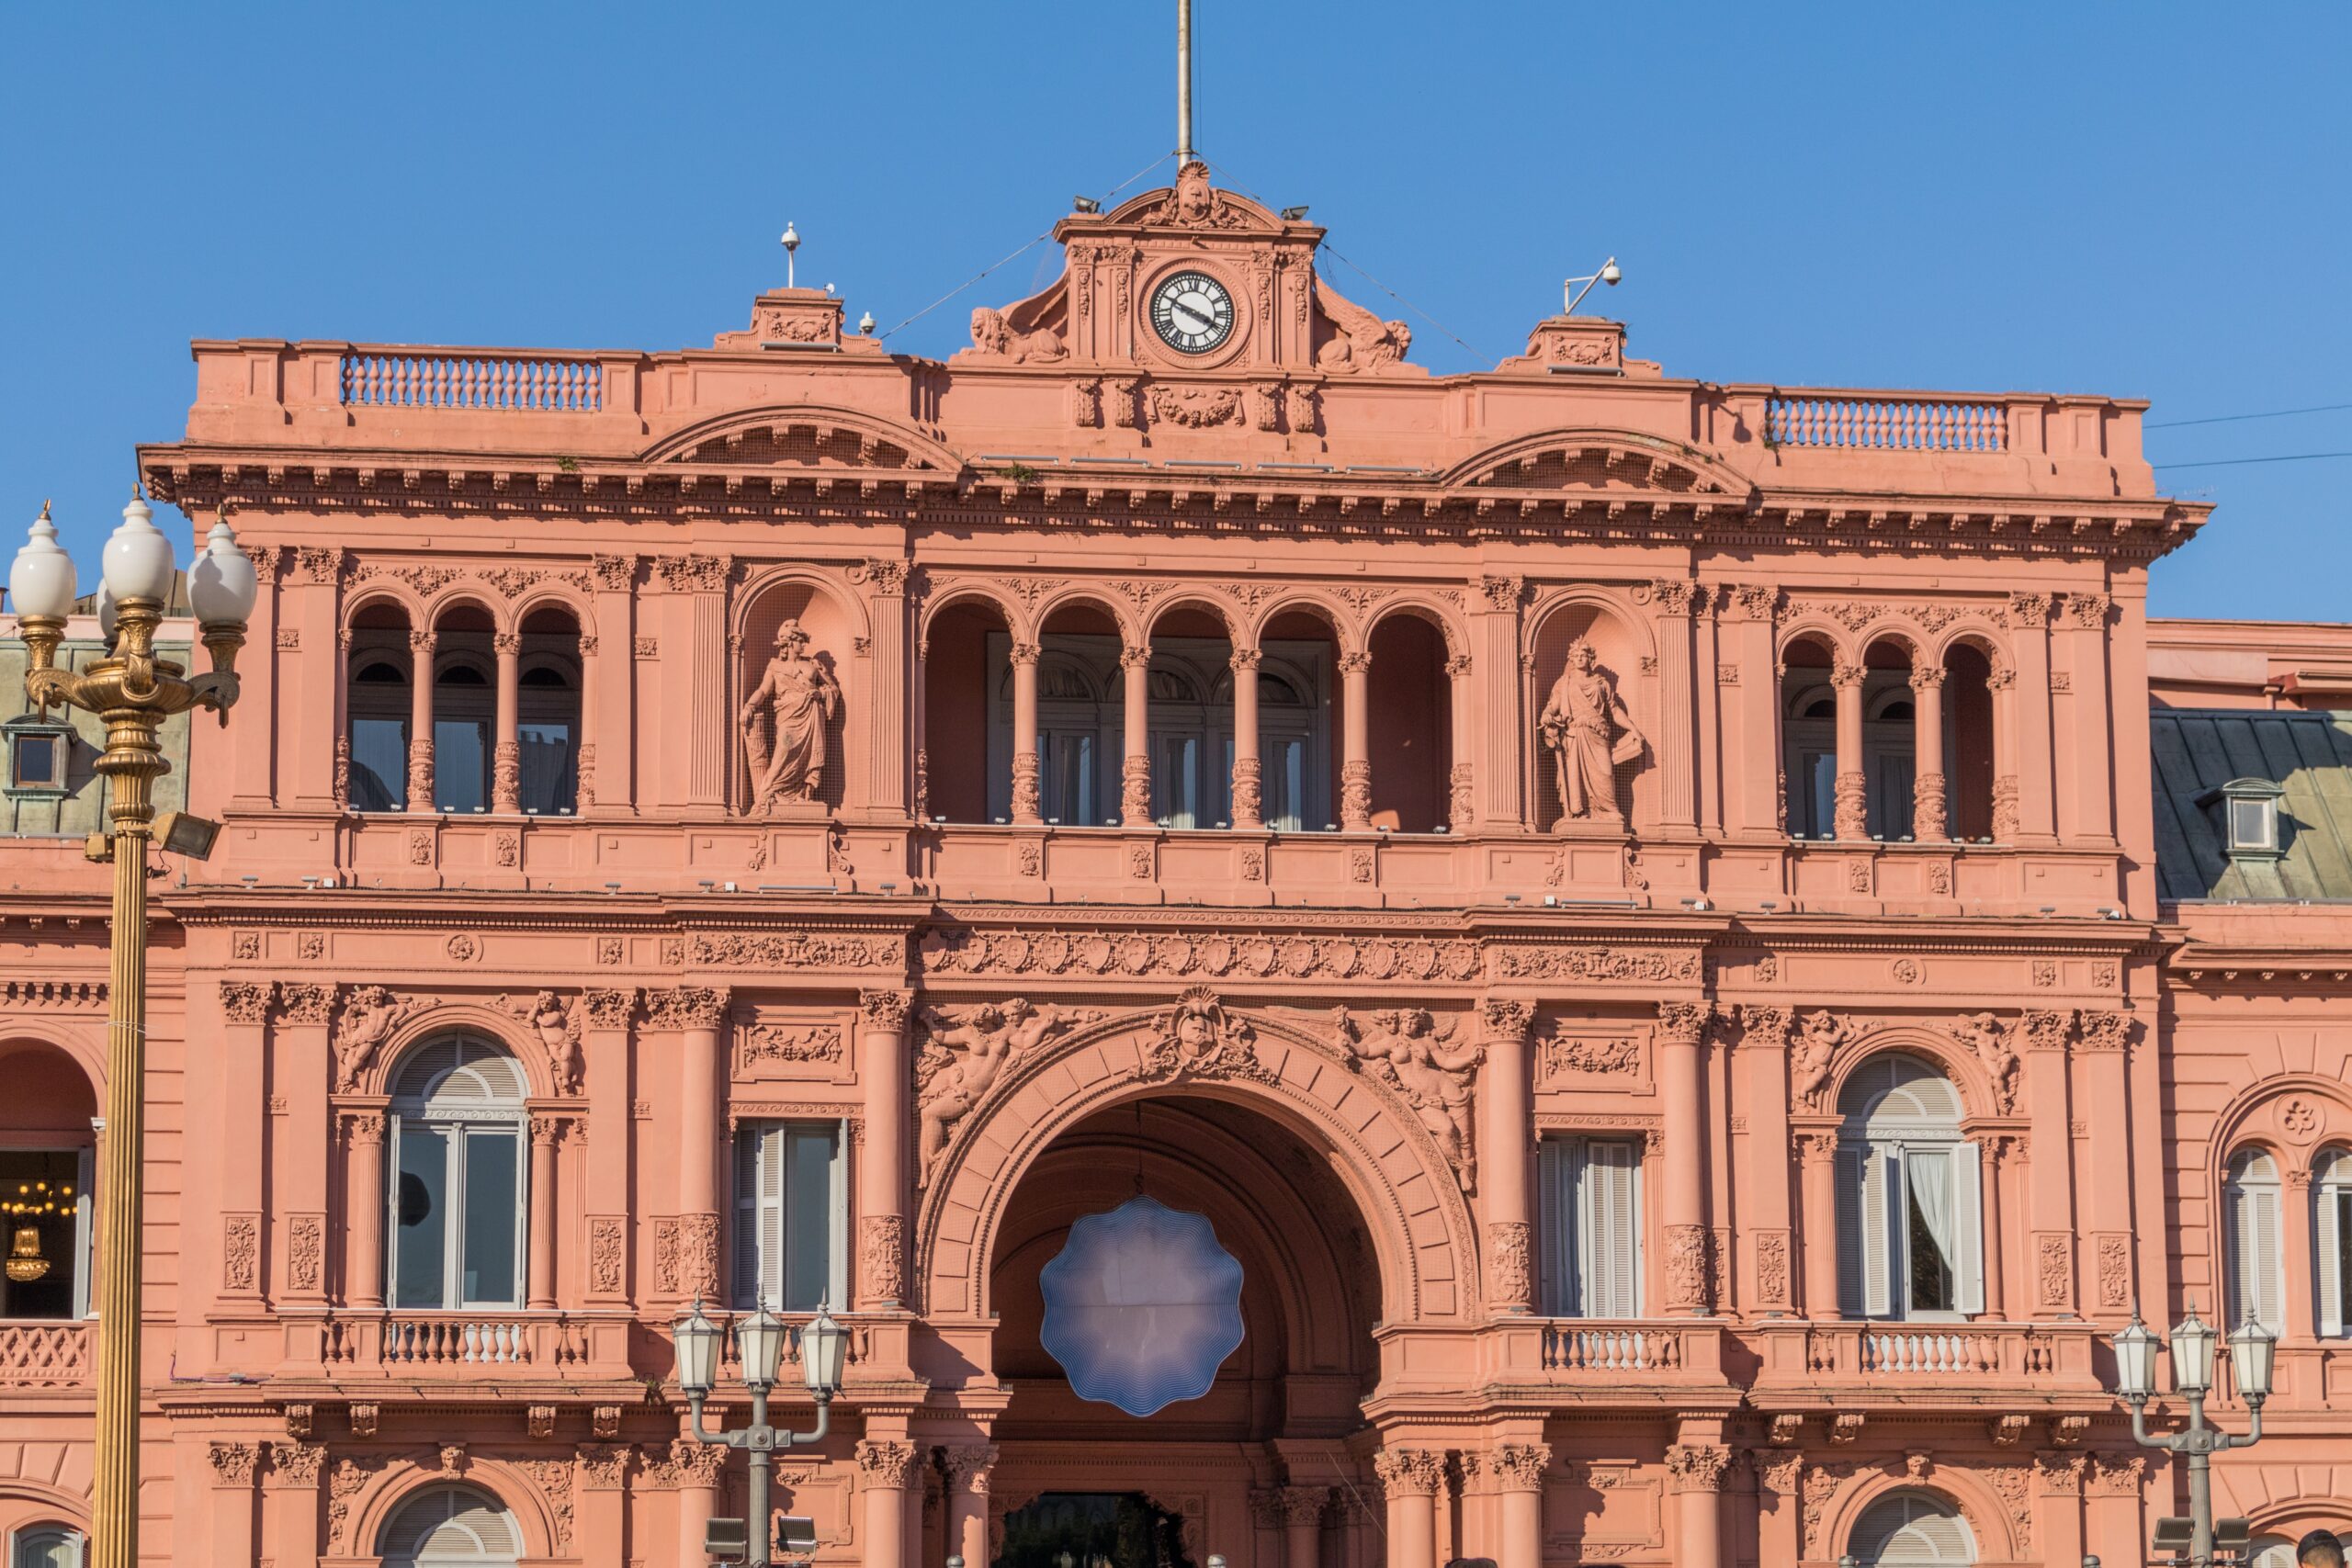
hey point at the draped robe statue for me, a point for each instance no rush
(1589, 731)
(784, 722)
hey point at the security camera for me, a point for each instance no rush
(1611, 273)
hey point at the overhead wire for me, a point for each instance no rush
(2241, 462)
(2234, 418)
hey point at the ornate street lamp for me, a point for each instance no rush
(133, 691)
(758, 1341)
(2253, 1350)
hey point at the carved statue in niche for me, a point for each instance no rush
(784, 722)
(1818, 1038)
(1359, 340)
(558, 1027)
(992, 336)
(1982, 1032)
(368, 1015)
(966, 1052)
(1586, 727)
(1422, 1062)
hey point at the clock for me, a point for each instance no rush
(1192, 313)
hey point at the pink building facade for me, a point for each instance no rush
(1653, 917)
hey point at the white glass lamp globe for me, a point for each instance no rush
(41, 581)
(137, 562)
(108, 613)
(221, 583)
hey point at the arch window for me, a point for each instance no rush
(1809, 727)
(2256, 1272)
(1910, 1217)
(449, 1524)
(457, 1193)
(465, 704)
(545, 733)
(2331, 1249)
(2270, 1552)
(48, 1546)
(1911, 1529)
(379, 739)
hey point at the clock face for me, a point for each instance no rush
(1192, 313)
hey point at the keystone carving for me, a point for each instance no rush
(1198, 1039)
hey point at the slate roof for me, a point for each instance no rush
(82, 809)
(2308, 754)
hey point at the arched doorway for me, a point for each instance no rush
(446, 1527)
(1283, 1406)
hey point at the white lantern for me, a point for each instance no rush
(41, 581)
(138, 561)
(697, 1338)
(2253, 1351)
(2135, 1362)
(759, 1340)
(824, 1351)
(221, 583)
(2192, 1353)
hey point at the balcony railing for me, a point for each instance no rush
(46, 1355)
(537, 383)
(453, 1343)
(1887, 424)
(1608, 1348)
(2053, 1356)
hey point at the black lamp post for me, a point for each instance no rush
(2252, 1352)
(759, 1338)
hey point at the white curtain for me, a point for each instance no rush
(1929, 1177)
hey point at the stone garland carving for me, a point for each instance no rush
(1688, 1250)
(241, 1253)
(797, 950)
(608, 1254)
(1596, 964)
(1404, 1049)
(1196, 406)
(1598, 1056)
(1218, 954)
(1409, 1471)
(784, 722)
(1772, 1268)
(791, 1043)
(305, 1251)
(882, 1257)
(1587, 728)
(370, 1015)
(884, 1462)
(557, 1028)
(964, 1053)
(1510, 1276)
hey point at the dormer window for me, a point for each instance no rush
(2249, 818)
(37, 752)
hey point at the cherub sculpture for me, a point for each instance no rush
(1586, 726)
(1982, 1032)
(1818, 1038)
(1422, 1063)
(368, 1015)
(965, 1055)
(559, 1034)
(785, 719)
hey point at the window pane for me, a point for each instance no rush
(40, 1197)
(1070, 776)
(1285, 784)
(809, 1230)
(1173, 781)
(36, 761)
(1927, 1186)
(378, 764)
(550, 776)
(2341, 1199)
(420, 1235)
(1821, 767)
(491, 1201)
(460, 760)
(48, 1549)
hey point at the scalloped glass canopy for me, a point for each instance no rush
(1142, 1306)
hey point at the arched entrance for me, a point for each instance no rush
(450, 1525)
(1282, 1407)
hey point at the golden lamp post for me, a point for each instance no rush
(132, 692)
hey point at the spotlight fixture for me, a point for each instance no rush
(1293, 214)
(1084, 204)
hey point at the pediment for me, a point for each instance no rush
(1599, 461)
(805, 436)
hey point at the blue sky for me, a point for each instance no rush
(2147, 201)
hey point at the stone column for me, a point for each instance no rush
(1695, 1475)
(506, 760)
(301, 1145)
(1853, 787)
(364, 1200)
(1676, 742)
(1756, 793)
(603, 1510)
(1681, 1029)
(1412, 1477)
(1516, 1471)
(699, 1014)
(2029, 641)
(884, 1068)
(1302, 1510)
(1817, 1153)
(712, 734)
(1462, 804)
(2003, 685)
(274, 641)
(886, 1466)
(2058, 1478)
(1927, 816)
(610, 693)
(1247, 791)
(1135, 771)
(1779, 1536)
(967, 1503)
(612, 1126)
(2105, 1039)
(309, 607)
(1504, 739)
(233, 1500)
(701, 1467)
(1999, 1154)
(420, 720)
(2050, 1207)
(2087, 614)
(1506, 1092)
(1355, 728)
(539, 1287)
(237, 1086)
(1025, 799)
(291, 1505)
(886, 695)
(1761, 1070)
(2114, 1526)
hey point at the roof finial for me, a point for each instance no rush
(1184, 153)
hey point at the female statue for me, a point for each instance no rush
(1589, 732)
(784, 722)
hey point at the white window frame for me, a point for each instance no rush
(2332, 1226)
(28, 1536)
(2252, 1203)
(1572, 1273)
(748, 1206)
(456, 1124)
(1873, 1248)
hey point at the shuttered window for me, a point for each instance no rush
(791, 1217)
(2256, 1278)
(458, 1177)
(1910, 1197)
(2332, 1249)
(1910, 1529)
(1592, 1227)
